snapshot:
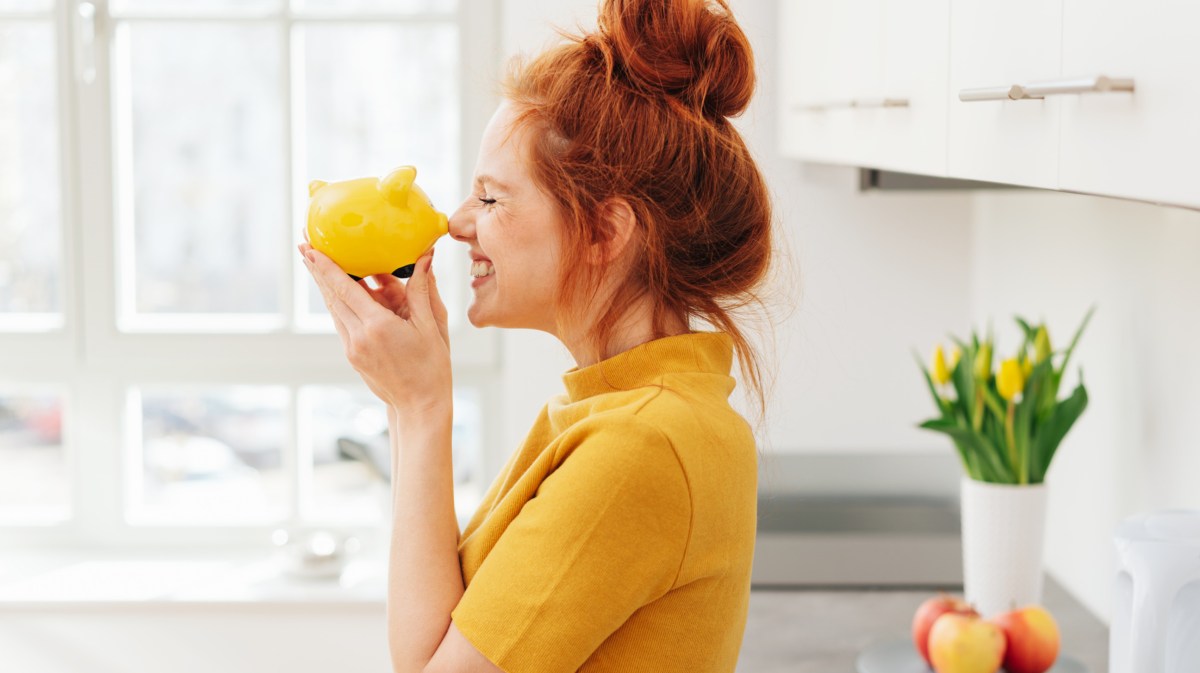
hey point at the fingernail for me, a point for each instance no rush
(309, 256)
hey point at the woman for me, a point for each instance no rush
(614, 206)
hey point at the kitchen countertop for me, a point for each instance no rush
(795, 630)
(789, 629)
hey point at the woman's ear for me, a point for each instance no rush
(620, 228)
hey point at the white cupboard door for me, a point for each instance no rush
(905, 122)
(994, 45)
(1144, 144)
(829, 56)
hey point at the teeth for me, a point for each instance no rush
(481, 268)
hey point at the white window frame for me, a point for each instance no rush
(97, 364)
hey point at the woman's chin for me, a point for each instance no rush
(477, 316)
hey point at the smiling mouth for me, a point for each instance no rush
(482, 269)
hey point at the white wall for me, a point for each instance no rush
(1051, 255)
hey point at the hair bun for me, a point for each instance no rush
(693, 50)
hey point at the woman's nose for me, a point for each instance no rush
(462, 227)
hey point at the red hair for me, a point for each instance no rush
(638, 110)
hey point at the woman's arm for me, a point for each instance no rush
(396, 337)
(424, 577)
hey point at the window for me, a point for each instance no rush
(168, 372)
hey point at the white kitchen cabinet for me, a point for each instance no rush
(916, 52)
(1091, 96)
(995, 45)
(864, 82)
(1145, 144)
(830, 55)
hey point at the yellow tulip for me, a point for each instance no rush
(1041, 344)
(955, 355)
(1011, 380)
(983, 362)
(941, 375)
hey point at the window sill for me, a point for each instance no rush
(71, 581)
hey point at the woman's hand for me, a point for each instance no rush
(396, 337)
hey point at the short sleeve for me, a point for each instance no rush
(604, 535)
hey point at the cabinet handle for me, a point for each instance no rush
(879, 102)
(1014, 92)
(1098, 84)
(1039, 90)
(855, 103)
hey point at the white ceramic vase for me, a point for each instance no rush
(1003, 532)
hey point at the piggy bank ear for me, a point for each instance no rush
(315, 185)
(395, 185)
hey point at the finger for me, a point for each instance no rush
(342, 288)
(343, 316)
(417, 290)
(391, 290)
(440, 314)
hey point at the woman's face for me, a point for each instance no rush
(515, 232)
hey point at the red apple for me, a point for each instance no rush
(1033, 639)
(965, 644)
(928, 613)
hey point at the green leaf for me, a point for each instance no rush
(1022, 424)
(994, 431)
(942, 405)
(936, 424)
(964, 384)
(1075, 340)
(1050, 434)
(995, 403)
(990, 468)
(1030, 332)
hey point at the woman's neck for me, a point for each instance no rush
(633, 329)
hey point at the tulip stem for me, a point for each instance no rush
(1009, 435)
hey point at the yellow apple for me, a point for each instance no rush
(927, 614)
(1033, 639)
(965, 644)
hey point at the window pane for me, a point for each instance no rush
(25, 5)
(33, 473)
(193, 6)
(378, 97)
(207, 156)
(211, 455)
(469, 485)
(30, 216)
(346, 429)
(350, 6)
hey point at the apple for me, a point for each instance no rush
(927, 614)
(1033, 639)
(961, 643)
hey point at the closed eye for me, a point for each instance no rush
(486, 201)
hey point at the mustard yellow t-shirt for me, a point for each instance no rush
(620, 536)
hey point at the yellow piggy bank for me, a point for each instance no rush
(371, 226)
